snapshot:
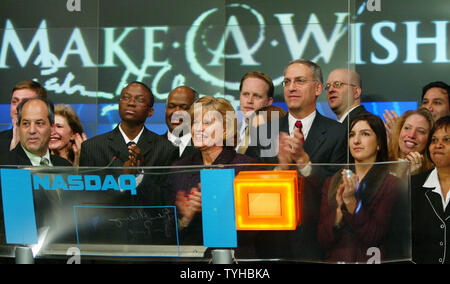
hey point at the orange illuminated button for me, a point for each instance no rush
(267, 200)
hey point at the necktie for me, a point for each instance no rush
(44, 162)
(243, 148)
(130, 143)
(299, 125)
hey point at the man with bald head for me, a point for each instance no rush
(178, 119)
(344, 94)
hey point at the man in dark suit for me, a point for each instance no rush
(303, 137)
(178, 119)
(311, 137)
(21, 91)
(344, 95)
(130, 144)
(35, 120)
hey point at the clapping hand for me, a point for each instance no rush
(76, 147)
(291, 150)
(390, 121)
(416, 161)
(189, 203)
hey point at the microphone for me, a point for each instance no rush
(115, 157)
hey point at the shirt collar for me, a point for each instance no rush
(185, 141)
(127, 140)
(306, 123)
(36, 159)
(433, 182)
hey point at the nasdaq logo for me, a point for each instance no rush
(84, 182)
(17, 187)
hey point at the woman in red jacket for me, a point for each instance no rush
(357, 204)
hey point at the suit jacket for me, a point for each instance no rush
(326, 143)
(100, 151)
(18, 157)
(355, 112)
(188, 151)
(5, 140)
(44, 200)
(430, 224)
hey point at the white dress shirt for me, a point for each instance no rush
(306, 124)
(35, 159)
(127, 140)
(184, 141)
(306, 127)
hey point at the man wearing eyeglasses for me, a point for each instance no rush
(305, 137)
(130, 144)
(344, 94)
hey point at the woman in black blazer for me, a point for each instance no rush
(430, 198)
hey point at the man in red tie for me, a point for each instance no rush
(303, 137)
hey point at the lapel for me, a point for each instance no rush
(225, 157)
(59, 161)
(117, 146)
(22, 158)
(284, 124)
(189, 150)
(117, 143)
(145, 141)
(357, 111)
(435, 200)
(316, 135)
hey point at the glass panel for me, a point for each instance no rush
(104, 212)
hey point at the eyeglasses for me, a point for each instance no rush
(129, 98)
(337, 85)
(297, 82)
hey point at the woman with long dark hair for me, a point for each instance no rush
(357, 203)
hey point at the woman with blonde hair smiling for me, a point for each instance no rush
(68, 134)
(214, 133)
(410, 139)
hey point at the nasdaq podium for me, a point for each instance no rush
(259, 214)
